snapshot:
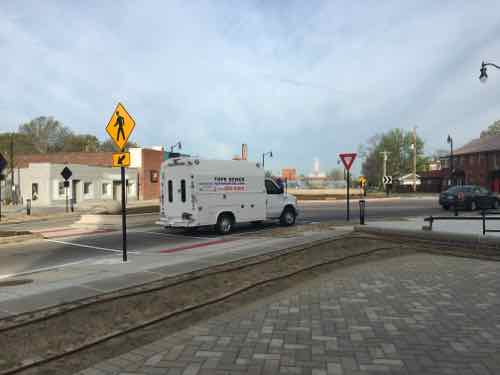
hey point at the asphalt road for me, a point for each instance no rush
(63, 249)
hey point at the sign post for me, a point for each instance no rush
(66, 174)
(119, 128)
(3, 164)
(347, 160)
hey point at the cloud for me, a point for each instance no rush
(301, 78)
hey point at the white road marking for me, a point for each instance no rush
(170, 234)
(36, 270)
(91, 247)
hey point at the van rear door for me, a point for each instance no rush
(177, 195)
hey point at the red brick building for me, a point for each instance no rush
(147, 162)
(475, 163)
(289, 174)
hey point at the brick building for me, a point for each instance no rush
(146, 162)
(289, 174)
(476, 163)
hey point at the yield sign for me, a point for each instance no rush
(347, 159)
(120, 126)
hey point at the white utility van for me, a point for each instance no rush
(196, 192)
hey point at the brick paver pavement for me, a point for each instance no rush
(415, 314)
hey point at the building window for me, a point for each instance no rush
(105, 189)
(34, 191)
(61, 190)
(87, 188)
(183, 190)
(130, 188)
(170, 191)
(154, 175)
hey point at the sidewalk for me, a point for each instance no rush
(17, 214)
(414, 314)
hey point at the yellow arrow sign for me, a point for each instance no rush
(120, 126)
(121, 159)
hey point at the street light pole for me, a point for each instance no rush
(414, 159)
(483, 76)
(264, 154)
(178, 144)
(452, 171)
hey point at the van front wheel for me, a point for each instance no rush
(225, 224)
(288, 217)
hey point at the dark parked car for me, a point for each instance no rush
(470, 197)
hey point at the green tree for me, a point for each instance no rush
(492, 129)
(81, 143)
(109, 146)
(399, 144)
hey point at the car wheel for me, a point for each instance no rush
(225, 224)
(446, 207)
(287, 217)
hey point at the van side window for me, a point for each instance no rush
(271, 188)
(183, 190)
(170, 191)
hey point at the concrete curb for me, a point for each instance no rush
(459, 240)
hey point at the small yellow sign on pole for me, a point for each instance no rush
(120, 126)
(121, 159)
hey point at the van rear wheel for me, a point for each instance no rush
(225, 224)
(288, 216)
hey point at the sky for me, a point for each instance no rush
(303, 79)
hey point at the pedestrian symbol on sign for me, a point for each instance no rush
(120, 126)
(120, 122)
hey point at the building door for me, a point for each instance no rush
(74, 191)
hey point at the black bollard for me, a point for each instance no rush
(362, 204)
(28, 207)
(483, 214)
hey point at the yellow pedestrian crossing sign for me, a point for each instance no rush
(121, 159)
(120, 126)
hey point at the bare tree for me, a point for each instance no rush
(45, 133)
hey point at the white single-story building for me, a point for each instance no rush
(44, 185)
(407, 179)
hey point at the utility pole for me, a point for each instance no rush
(384, 169)
(12, 185)
(414, 159)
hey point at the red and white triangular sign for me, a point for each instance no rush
(348, 159)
